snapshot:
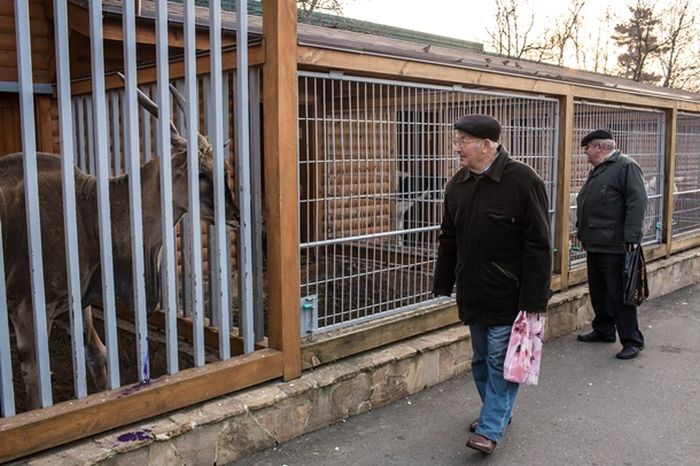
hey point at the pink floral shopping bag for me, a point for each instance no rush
(522, 364)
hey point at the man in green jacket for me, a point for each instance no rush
(609, 214)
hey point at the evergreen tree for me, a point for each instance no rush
(641, 44)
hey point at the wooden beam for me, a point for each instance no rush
(669, 178)
(685, 242)
(280, 178)
(387, 67)
(563, 201)
(357, 339)
(146, 33)
(37, 430)
(147, 75)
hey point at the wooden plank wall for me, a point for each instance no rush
(42, 42)
(361, 178)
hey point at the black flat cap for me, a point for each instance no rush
(481, 126)
(597, 134)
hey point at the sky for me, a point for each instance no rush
(467, 20)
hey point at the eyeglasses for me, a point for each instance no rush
(464, 141)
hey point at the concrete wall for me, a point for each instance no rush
(233, 426)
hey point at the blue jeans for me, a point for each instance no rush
(490, 344)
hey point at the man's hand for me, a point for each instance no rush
(632, 246)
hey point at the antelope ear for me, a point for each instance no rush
(228, 141)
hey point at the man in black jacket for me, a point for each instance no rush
(609, 214)
(495, 245)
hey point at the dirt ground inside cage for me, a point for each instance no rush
(349, 288)
(61, 365)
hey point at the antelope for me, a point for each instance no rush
(13, 212)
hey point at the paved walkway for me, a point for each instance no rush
(589, 409)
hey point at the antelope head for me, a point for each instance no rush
(206, 168)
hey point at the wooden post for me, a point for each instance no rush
(281, 183)
(561, 232)
(669, 176)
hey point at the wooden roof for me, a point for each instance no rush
(365, 44)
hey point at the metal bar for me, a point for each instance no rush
(195, 232)
(220, 301)
(131, 133)
(103, 210)
(406, 84)
(31, 198)
(169, 297)
(7, 395)
(14, 87)
(69, 206)
(245, 275)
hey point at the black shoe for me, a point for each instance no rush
(629, 352)
(595, 337)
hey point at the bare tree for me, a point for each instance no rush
(678, 62)
(512, 32)
(565, 38)
(601, 48)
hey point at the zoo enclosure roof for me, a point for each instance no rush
(424, 51)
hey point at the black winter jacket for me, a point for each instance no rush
(610, 206)
(495, 243)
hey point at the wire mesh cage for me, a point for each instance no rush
(638, 133)
(374, 158)
(686, 181)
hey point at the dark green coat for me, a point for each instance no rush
(495, 243)
(611, 204)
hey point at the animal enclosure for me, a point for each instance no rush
(686, 181)
(638, 133)
(339, 148)
(374, 158)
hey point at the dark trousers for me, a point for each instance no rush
(605, 283)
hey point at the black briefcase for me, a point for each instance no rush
(635, 277)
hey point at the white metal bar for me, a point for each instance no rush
(131, 144)
(216, 134)
(31, 198)
(245, 274)
(169, 297)
(195, 233)
(103, 211)
(7, 396)
(69, 207)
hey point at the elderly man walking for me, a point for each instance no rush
(495, 245)
(609, 214)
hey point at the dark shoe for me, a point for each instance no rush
(475, 423)
(629, 352)
(481, 443)
(595, 336)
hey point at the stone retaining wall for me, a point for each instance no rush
(228, 428)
